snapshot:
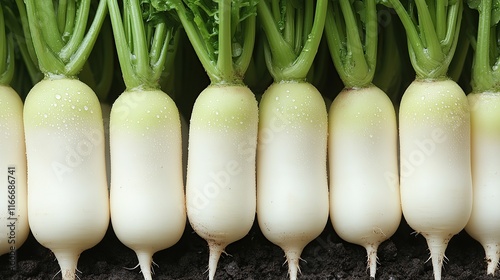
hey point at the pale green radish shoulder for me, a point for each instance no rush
(485, 112)
(442, 102)
(221, 107)
(294, 104)
(139, 110)
(372, 107)
(63, 101)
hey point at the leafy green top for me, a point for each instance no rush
(485, 70)
(432, 32)
(6, 52)
(98, 71)
(351, 32)
(293, 30)
(143, 36)
(60, 36)
(222, 33)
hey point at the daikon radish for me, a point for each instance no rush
(220, 184)
(434, 130)
(145, 139)
(292, 185)
(484, 100)
(68, 202)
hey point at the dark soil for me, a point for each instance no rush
(327, 257)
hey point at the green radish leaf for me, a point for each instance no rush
(218, 39)
(386, 3)
(359, 8)
(474, 4)
(495, 12)
(153, 16)
(495, 9)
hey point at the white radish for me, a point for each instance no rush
(68, 200)
(220, 190)
(365, 206)
(435, 164)
(292, 185)
(145, 140)
(484, 101)
(434, 129)
(14, 227)
(147, 191)
(220, 181)
(484, 223)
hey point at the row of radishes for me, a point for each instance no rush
(274, 160)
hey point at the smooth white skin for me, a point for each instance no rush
(292, 185)
(484, 222)
(14, 228)
(220, 190)
(147, 203)
(435, 168)
(68, 202)
(365, 206)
